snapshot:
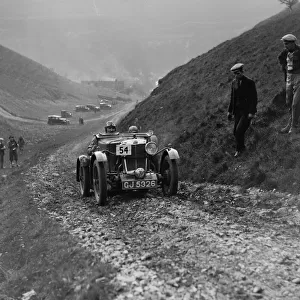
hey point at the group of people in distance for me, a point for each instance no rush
(13, 147)
(243, 101)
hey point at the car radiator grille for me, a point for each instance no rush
(137, 159)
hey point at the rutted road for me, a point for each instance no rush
(209, 242)
(115, 115)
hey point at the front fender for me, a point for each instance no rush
(173, 154)
(99, 156)
(84, 161)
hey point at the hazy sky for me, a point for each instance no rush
(128, 35)
(201, 10)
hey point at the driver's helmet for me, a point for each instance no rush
(133, 129)
(110, 127)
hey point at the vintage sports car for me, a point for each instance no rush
(127, 162)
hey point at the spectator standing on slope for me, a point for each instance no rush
(289, 60)
(2, 152)
(21, 143)
(242, 106)
(12, 146)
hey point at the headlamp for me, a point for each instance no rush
(151, 148)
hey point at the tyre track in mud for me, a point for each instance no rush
(208, 242)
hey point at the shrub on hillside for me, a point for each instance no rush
(289, 3)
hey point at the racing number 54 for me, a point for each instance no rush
(123, 150)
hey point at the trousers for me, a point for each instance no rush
(241, 124)
(1, 160)
(13, 155)
(293, 96)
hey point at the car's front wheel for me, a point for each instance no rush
(99, 183)
(84, 181)
(169, 172)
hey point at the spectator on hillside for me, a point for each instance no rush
(13, 154)
(242, 107)
(21, 143)
(2, 150)
(289, 60)
(136, 123)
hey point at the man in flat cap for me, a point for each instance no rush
(289, 60)
(242, 107)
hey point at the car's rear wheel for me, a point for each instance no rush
(169, 172)
(100, 183)
(84, 181)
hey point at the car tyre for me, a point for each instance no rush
(99, 183)
(169, 172)
(84, 180)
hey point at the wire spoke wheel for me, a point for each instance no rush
(84, 181)
(169, 171)
(99, 183)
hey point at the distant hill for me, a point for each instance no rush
(189, 109)
(29, 89)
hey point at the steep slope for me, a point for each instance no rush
(31, 90)
(25, 78)
(189, 108)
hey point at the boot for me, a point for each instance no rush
(292, 130)
(287, 128)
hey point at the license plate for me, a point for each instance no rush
(139, 184)
(123, 150)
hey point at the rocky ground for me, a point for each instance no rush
(208, 242)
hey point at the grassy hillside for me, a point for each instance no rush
(189, 109)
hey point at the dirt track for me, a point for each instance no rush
(209, 242)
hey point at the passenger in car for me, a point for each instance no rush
(133, 129)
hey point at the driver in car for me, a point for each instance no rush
(110, 129)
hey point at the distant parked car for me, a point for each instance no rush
(93, 107)
(81, 108)
(53, 120)
(105, 101)
(65, 114)
(104, 106)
